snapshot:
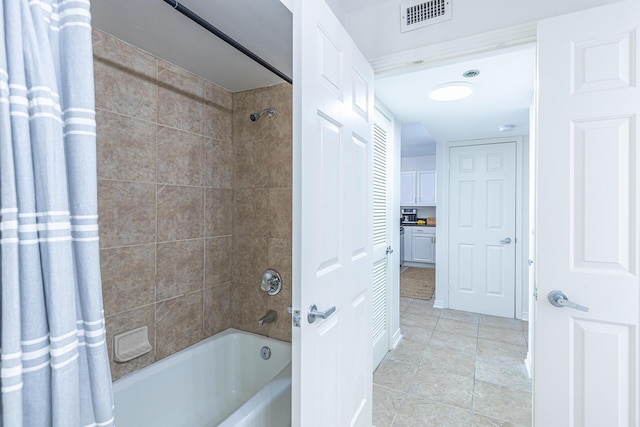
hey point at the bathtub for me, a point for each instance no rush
(221, 381)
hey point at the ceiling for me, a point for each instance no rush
(503, 90)
(154, 26)
(503, 93)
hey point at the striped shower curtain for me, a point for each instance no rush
(54, 362)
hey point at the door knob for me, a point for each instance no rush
(560, 299)
(314, 313)
(506, 240)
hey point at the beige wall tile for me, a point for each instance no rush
(127, 213)
(218, 261)
(181, 102)
(251, 168)
(180, 157)
(280, 162)
(219, 210)
(128, 277)
(218, 164)
(219, 113)
(249, 303)
(280, 213)
(217, 309)
(126, 148)
(179, 323)
(125, 78)
(250, 259)
(126, 321)
(251, 216)
(180, 212)
(180, 268)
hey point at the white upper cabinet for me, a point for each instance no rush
(418, 188)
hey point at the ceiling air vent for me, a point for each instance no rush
(418, 14)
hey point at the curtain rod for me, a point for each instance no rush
(206, 25)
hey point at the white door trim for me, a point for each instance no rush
(442, 243)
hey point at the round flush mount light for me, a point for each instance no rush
(451, 91)
(506, 128)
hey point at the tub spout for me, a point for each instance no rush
(270, 317)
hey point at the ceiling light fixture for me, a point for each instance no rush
(471, 73)
(451, 91)
(506, 128)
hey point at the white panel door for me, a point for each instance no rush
(482, 214)
(332, 222)
(586, 363)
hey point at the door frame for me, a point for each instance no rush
(522, 221)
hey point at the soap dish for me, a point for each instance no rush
(131, 344)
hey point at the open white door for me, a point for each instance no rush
(586, 363)
(332, 222)
(385, 257)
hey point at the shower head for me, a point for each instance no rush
(268, 111)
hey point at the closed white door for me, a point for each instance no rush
(482, 214)
(586, 363)
(332, 252)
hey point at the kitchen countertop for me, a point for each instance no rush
(404, 224)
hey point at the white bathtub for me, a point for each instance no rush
(221, 381)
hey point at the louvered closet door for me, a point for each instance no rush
(381, 203)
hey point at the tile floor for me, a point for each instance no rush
(453, 368)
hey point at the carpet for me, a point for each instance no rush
(417, 283)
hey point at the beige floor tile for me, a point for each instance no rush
(462, 316)
(498, 350)
(457, 327)
(419, 412)
(386, 403)
(416, 333)
(500, 322)
(482, 421)
(394, 375)
(409, 352)
(443, 387)
(453, 342)
(507, 373)
(422, 320)
(502, 403)
(509, 336)
(422, 308)
(442, 359)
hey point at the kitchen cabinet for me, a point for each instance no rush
(423, 245)
(419, 244)
(418, 188)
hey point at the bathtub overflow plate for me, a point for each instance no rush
(265, 352)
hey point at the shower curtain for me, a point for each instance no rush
(54, 362)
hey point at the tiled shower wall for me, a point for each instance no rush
(176, 255)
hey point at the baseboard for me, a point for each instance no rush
(438, 303)
(527, 364)
(525, 316)
(397, 337)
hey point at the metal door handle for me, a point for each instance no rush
(389, 250)
(506, 240)
(560, 299)
(314, 313)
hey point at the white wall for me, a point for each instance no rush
(421, 163)
(376, 29)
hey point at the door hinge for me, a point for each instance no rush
(295, 315)
(535, 294)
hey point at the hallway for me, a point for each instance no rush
(453, 368)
